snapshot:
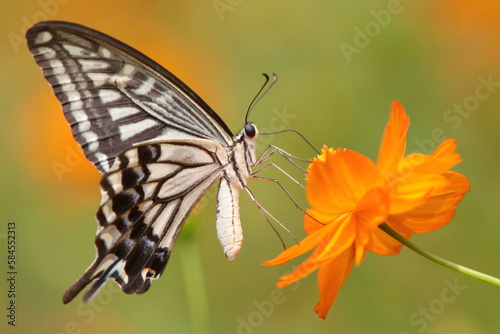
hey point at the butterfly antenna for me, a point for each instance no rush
(260, 94)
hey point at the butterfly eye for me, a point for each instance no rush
(250, 130)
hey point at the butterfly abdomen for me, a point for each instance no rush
(228, 224)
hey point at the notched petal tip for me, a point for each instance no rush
(446, 152)
(393, 143)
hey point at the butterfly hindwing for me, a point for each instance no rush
(114, 96)
(146, 197)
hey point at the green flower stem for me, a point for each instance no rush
(196, 294)
(439, 260)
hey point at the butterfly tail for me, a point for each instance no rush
(100, 270)
(133, 273)
(80, 284)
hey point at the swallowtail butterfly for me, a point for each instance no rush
(158, 145)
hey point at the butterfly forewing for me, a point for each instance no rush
(115, 97)
(158, 144)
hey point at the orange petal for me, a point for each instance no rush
(383, 244)
(394, 139)
(421, 163)
(372, 211)
(330, 279)
(306, 244)
(339, 179)
(315, 220)
(333, 244)
(328, 250)
(438, 210)
(414, 190)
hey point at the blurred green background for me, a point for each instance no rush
(340, 63)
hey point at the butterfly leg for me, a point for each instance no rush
(265, 156)
(266, 213)
(271, 150)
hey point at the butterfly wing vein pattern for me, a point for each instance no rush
(113, 101)
(158, 145)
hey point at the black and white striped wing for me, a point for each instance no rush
(113, 96)
(146, 197)
(158, 144)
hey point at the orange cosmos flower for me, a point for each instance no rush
(351, 196)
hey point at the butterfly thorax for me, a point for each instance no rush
(242, 155)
